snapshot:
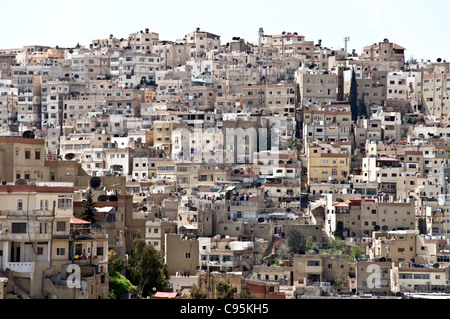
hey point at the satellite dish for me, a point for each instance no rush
(95, 182)
(21, 181)
(28, 134)
(435, 265)
(69, 156)
(384, 227)
(102, 198)
(144, 208)
(376, 227)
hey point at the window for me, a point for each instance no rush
(64, 202)
(19, 204)
(187, 255)
(27, 154)
(60, 226)
(60, 251)
(18, 228)
(313, 263)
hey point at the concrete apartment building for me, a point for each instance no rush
(327, 126)
(182, 255)
(310, 269)
(23, 158)
(271, 99)
(436, 97)
(225, 254)
(317, 87)
(386, 51)
(202, 42)
(374, 277)
(288, 44)
(8, 105)
(358, 217)
(142, 41)
(324, 166)
(37, 252)
(156, 230)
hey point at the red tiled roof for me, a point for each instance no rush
(74, 220)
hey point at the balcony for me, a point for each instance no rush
(21, 267)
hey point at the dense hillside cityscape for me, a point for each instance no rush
(197, 168)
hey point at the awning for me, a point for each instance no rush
(161, 294)
(74, 220)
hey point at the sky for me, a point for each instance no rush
(417, 25)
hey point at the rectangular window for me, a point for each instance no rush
(19, 228)
(60, 251)
(64, 202)
(60, 226)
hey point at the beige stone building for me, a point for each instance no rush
(374, 277)
(311, 269)
(23, 158)
(317, 87)
(270, 99)
(181, 254)
(323, 166)
(40, 253)
(386, 51)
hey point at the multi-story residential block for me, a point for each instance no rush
(23, 158)
(225, 254)
(143, 41)
(8, 106)
(435, 92)
(327, 126)
(202, 42)
(386, 51)
(312, 269)
(40, 239)
(156, 230)
(182, 255)
(317, 87)
(374, 277)
(415, 279)
(271, 99)
(326, 166)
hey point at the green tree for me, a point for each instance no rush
(356, 253)
(269, 136)
(224, 290)
(119, 286)
(245, 292)
(311, 245)
(197, 292)
(294, 143)
(146, 268)
(362, 108)
(88, 212)
(295, 241)
(339, 232)
(353, 97)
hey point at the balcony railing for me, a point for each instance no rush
(22, 267)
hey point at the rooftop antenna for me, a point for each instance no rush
(346, 39)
